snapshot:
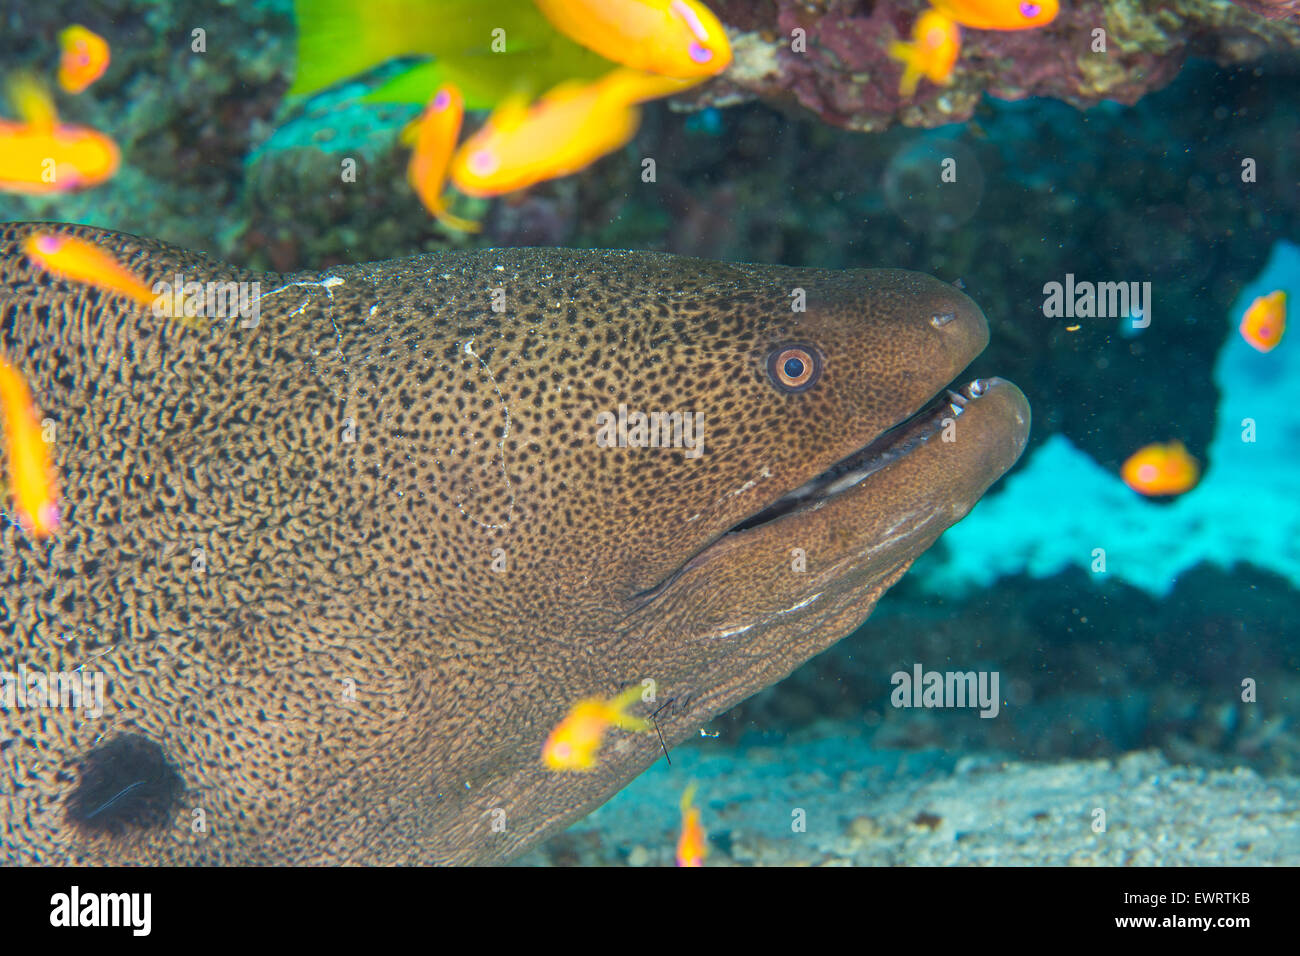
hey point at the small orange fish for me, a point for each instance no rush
(693, 845)
(82, 261)
(433, 135)
(1161, 470)
(673, 37)
(39, 155)
(567, 129)
(573, 743)
(999, 14)
(1264, 321)
(85, 58)
(935, 46)
(31, 470)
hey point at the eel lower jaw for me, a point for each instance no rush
(889, 447)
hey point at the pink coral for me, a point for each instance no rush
(840, 68)
(1273, 9)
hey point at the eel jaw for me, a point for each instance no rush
(891, 445)
(863, 519)
(738, 617)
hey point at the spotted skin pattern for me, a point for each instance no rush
(344, 569)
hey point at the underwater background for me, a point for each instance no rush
(1121, 686)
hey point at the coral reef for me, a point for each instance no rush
(1273, 9)
(842, 72)
(186, 108)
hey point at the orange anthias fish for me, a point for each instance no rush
(573, 743)
(85, 58)
(567, 129)
(1161, 470)
(434, 136)
(936, 43)
(39, 155)
(31, 472)
(999, 14)
(79, 260)
(693, 845)
(673, 37)
(1264, 321)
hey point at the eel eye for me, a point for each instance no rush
(794, 368)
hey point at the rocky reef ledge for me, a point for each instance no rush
(830, 56)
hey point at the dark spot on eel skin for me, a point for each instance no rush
(127, 782)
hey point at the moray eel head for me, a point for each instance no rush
(846, 478)
(343, 567)
(837, 446)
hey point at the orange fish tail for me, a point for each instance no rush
(618, 715)
(455, 222)
(30, 469)
(906, 54)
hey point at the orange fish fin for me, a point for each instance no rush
(906, 54)
(410, 132)
(688, 796)
(455, 222)
(637, 86)
(30, 100)
(618, 715)
(510, 112)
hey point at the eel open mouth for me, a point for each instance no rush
(991, 445)
(888, 447)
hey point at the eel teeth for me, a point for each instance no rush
(886, 448)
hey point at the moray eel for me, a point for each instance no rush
(344, 561)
